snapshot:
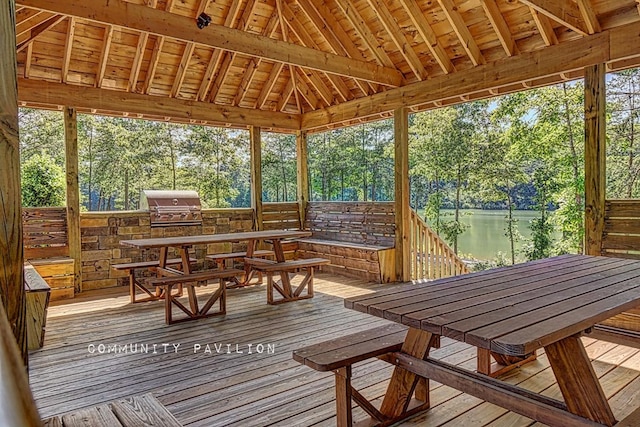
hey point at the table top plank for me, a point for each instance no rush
(160, 242)
(500, 322)
(567, 324)
(430, 305)
(517, 309)
(465, 287)
(433, 319)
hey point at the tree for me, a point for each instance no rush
(43, 182)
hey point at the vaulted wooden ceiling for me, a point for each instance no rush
(307, 64)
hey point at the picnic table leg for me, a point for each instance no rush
(578, 381)
(284, 276)
(403, 383)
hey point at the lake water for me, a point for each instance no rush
(485, 236)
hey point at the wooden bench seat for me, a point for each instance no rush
(340, 354)
(136, 411)
(135, 284)
(37, 295)
(191, 281)
(284, 285)
(220, 259)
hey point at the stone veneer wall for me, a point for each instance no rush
(102, 232)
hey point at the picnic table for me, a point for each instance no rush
(508, 312)
(168, 276)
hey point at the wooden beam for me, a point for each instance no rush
(143, 18)
(27, 61)
(610, 45)
(566, 12)
(66, 59)
(11, 259)
(460, 28)
(187, 54)
(255, 143)
(594, 157)
(38, 30)
(428, 35)
(589, 16)
(41, 92)
(500, 26)
(155, 55)
(73, 193)
(305, 91)
(544, 26)
(399, 39)
(137, 61)
(402, 206)
(302, 161)
(285, 95)
(104, 55)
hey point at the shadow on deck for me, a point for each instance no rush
(237, 382)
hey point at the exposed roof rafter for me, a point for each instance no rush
(544, 27)
(143, 18)
(566, 12)
(500, 26)
(460, 28)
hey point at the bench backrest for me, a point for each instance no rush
(371, 223)
(280, 216)
(45, 232)
(621, 236)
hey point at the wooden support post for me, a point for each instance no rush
(594, 157)
(256, 174)
(11, 259)
(303, 174)
(73, 193)
(402, 207)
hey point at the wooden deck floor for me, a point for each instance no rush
(226, 388)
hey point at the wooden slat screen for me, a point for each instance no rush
(280, 216)
(621, 237)
(371, 223)
(45, 232)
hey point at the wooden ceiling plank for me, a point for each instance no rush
(294, 23)
(155, 55)
(228, 57)
(66, 58)
(428, 35)
(460, 28)
(50, 93)
(187, 54)
(544, 27)
(365, 34)
(28, 19)
(104, 55)
(39, 29)
(254, 63)
(292, 70)
(566, 12)
(142, 18)
(216, 56)
(267, 87)
(500, 26)
(399, 39)
(571, 55)
(589, 16)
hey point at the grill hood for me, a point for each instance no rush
(172, 207)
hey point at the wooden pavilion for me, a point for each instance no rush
(295, 67)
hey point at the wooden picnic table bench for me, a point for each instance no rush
(220, 259)
(510, 311)
(190, 281)
(135, 284)
(284, 285)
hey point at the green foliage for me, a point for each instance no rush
(43, 182)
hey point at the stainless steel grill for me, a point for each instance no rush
(172, 207)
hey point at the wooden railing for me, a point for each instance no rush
(283, 216)
(431, 257)
(45, 232)
(621, 234)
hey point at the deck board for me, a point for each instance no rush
(264, 389)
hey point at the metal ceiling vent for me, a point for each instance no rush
(172, 207)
